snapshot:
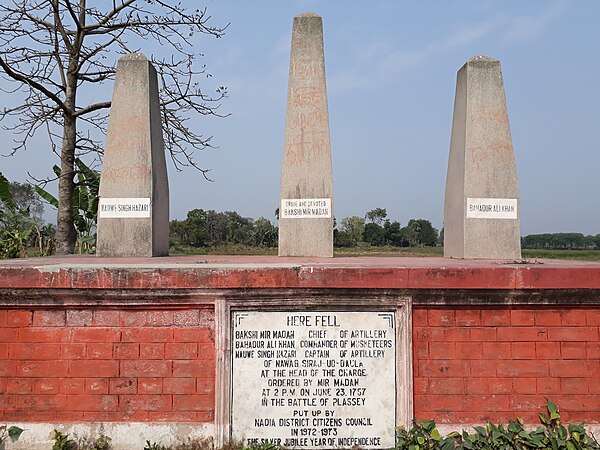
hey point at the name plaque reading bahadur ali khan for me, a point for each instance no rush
(492, 208)
(314, 379)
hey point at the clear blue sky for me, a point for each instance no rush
(391, 73)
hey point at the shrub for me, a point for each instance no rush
(551, 435)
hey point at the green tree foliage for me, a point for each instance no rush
(25, 198)
(393, 234)
(561, 241)
(265, 233)
(352, 229)
(209, 228)
(376, 215)
(380, 231)
(374, 234)
(420, 233)
(19, 231)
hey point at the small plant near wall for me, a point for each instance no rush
(550, 435)
(154, 446)
(13, 433)
(62, 442)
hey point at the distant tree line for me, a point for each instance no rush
(210, 228)
(561, 241)
(376, 229)
(24, 233)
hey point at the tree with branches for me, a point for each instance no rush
(55, 53)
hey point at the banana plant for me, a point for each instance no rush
(84, 203)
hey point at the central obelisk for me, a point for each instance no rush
(306, 207)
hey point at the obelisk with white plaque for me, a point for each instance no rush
(481, 208)
(133, 210)
(306, 207)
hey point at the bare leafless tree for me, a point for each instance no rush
(53, 51)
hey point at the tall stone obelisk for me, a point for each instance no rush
(133, 212)
(481, 209)
(306, 207)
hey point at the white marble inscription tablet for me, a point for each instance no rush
(305, 208)
(314, 379)
(491, 208)
(113, 208)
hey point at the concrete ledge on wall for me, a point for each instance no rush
(234, 272)
(143, 347)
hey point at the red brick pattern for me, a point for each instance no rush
(478, 364)
(107, 365)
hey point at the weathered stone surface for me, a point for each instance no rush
(481, 209)
(133, 215)
(306, 208)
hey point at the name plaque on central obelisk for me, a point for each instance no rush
(324, 379)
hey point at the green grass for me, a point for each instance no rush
(233, 249)
(389, 251)
(585, 255)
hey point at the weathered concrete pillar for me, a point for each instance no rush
(133, 214)
(481, 209)
(306, 208)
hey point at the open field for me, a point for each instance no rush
(586, 255)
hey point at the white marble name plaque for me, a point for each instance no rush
(305, 208)
(112, 208)
(314, 379)
(491, 208)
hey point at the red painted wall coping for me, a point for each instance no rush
(223, 272)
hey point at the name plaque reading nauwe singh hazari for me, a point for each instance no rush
(314, 379)
(115, 208)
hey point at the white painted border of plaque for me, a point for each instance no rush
(301, 301)
(124, 208)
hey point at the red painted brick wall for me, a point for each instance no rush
(478, 364)
(107, 365)
(470, 364)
